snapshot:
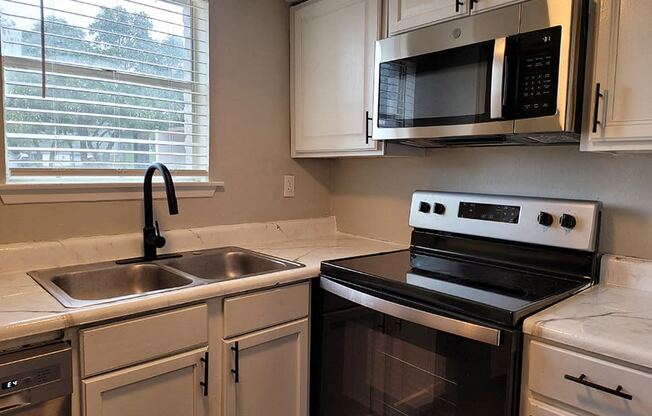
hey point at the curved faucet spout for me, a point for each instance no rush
(173, 207)
(152, 238)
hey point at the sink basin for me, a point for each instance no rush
(91, 284)
(227, 263)
(81, 286)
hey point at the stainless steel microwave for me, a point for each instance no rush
(513, 75)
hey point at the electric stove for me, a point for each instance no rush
(436, 329)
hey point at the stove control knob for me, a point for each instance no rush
(567, 221)
(439, 209)
(545, 219)
(424, 207)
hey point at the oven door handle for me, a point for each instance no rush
(497, 79)
(441, 323)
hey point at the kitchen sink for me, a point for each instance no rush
(227, 263)
(81, 286)
(92, 284)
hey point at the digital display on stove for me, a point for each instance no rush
(489, 212)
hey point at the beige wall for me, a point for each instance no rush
(249, 139)
(371, 197)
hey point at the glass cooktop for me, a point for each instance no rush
(482, 291)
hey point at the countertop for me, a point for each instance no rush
(26, 309)
(612, 319)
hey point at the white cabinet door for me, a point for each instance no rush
(332, 62)
(165, 387)
(622, 118)
(482, 5)
(272, 371)
(406, 15)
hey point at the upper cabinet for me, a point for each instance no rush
(405, 15)
(619, 111)
(332, 59)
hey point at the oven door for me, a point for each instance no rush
(445, 80)
(374, 356)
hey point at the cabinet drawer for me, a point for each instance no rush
(120, 344)
(259, 310)
(549, 365)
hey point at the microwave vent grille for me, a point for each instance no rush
(484, 141)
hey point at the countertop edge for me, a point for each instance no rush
(314, 251)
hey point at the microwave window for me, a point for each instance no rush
(447, 87)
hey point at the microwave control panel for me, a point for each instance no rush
(536, 67)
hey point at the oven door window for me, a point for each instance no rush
(371, 364)
(440, 88)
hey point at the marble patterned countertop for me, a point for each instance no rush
(26, 309)
(613, 318)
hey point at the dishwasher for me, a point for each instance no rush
(36, 381)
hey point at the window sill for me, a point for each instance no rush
(43, 193)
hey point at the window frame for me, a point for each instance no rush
(63, 185)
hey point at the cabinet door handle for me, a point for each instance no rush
(236, 362)
(618, 391)
(459, 3)
(472, 3)
(596, 104)
(366, 127)
(204, 383)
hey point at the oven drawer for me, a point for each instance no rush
(588, 383)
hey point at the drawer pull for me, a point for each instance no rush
(204, 383)
(236, 362)
(618, 391)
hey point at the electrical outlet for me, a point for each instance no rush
(288, 186)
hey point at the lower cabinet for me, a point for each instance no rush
(265, 359)
(158, 364)
(165, 387)
(269, 372)
(562, 381)
(154, 365)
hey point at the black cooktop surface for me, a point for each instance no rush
(486, 292)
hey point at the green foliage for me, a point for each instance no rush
(116, 40)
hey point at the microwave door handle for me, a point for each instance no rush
(497, 79)
(438, 322)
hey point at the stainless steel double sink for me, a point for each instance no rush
(91, 284)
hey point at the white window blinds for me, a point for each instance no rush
(104, 87)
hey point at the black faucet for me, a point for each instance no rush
(152, 238)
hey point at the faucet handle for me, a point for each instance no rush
(159, 242)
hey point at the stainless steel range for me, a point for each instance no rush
(436, 329)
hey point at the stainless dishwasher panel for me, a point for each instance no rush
(36, 381)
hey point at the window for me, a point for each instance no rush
(99, 89)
